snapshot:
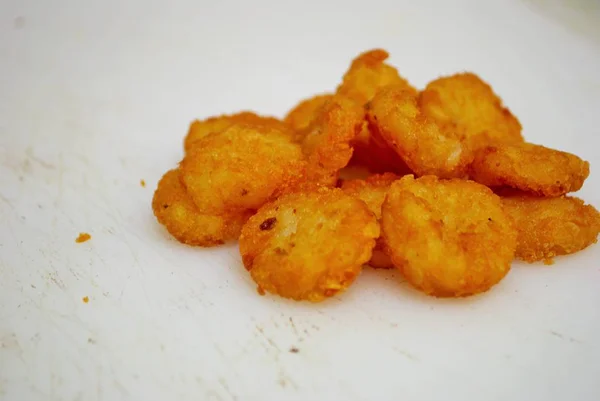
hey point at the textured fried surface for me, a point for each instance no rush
(372, 191)
(448, 237)
(241, 168)
(467, 106)
(304, 113)
(309, 245)
(530, 168)
(327, 142)
(367, 74)
(548, 227)
(201, 128)
(426, 149)
(174, 209)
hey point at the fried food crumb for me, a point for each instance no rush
(549, 261)
(294, 350)
(85, 299)
(83, 237)
(143, 183)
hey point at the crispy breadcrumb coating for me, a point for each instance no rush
(367, 74)
(173, 208)
(466, 106)
(308, 245)
(426, 149)
(449, 238)
(530, 168)
(549, 227)
(372, 191)
(241, 168)
(201, 128)
(327, 142)
(304, 114)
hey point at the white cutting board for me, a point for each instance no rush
(95, 97)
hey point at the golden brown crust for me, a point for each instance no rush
(174, 209)
(465, 105)
(530, 168)
(367, 74)
(310, 245)
(327, 142)
(447, 237)
(426, 149)
(372, 191)
(304, 113)
(201, 128)
(241, 168)
(548, 227)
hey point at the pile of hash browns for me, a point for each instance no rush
(438, 183)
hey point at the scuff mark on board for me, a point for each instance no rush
(566, 338)
(53, 277)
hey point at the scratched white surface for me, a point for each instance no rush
(96, 96)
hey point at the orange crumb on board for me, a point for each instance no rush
(143, 183)
(85, 299)
(260, 290)
(83, 237)
(549, 261)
